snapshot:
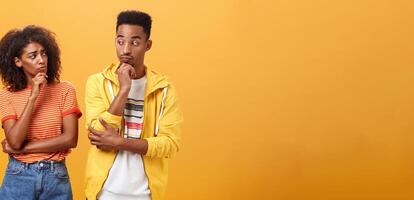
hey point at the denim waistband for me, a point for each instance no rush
(38, 165)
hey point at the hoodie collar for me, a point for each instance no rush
(154, 80)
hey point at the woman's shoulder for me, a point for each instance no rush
(5, 92)
(65, 85)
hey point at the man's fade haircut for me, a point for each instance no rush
(134, 17)
(12, 45)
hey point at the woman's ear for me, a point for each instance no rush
(18, 62)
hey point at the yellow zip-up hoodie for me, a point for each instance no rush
(161, 128)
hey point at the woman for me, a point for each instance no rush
(39, 115)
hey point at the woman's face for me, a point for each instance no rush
(33, 60)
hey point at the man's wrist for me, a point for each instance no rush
(118, 143)
(124, 90)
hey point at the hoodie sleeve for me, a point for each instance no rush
(97, 105)
(168, 140)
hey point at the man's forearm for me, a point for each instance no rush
(139, 146)
(118, 104)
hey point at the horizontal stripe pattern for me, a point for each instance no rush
(53, 103)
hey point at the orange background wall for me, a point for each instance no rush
(286, 99)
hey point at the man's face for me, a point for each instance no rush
(131, 44)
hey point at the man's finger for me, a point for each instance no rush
(131, 72)
(105, 124)
(95, 132)
(96, 143)
(94, 137)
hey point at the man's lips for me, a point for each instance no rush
(125, 58)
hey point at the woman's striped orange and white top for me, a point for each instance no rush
(53, 103)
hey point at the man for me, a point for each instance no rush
(133, 119)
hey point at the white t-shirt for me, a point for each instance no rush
(127, 179)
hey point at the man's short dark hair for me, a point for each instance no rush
(134, 17)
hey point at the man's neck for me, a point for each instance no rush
(140, 71)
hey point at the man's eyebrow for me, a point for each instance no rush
(133, 37)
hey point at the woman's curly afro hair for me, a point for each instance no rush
(12, 45)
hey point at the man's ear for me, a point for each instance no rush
(149, 45)
(18, 62)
